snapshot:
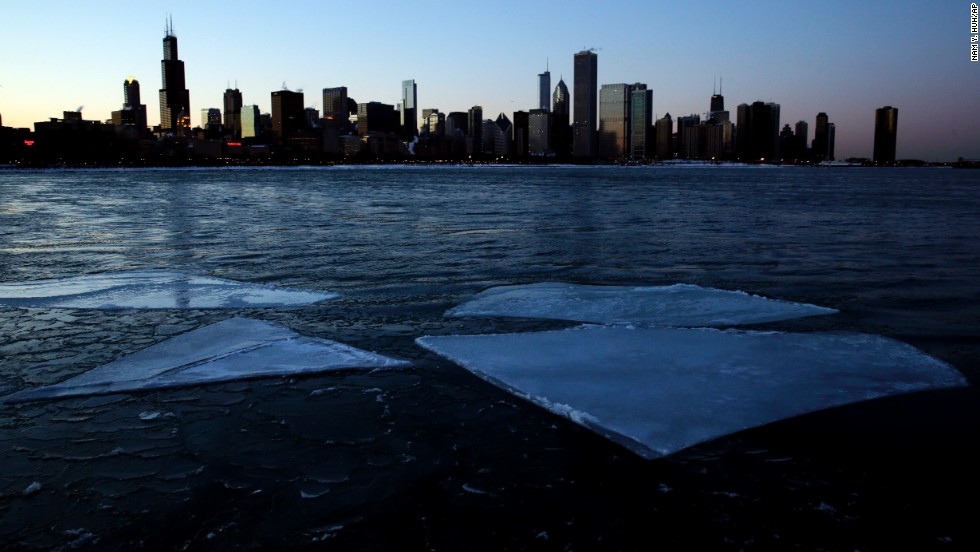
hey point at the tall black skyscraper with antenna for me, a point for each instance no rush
(717, 102)
(175, 99)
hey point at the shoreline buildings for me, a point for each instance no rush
(611, 123)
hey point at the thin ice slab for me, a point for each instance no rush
(152, 289)
(676, 306)
(660, 390)
(237, 348)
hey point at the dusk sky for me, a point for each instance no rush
(843, 58)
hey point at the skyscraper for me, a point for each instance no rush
(210, 117)
(457, 124)
(742, 131)
(886, 129)
(521, 133)
(435, 123)
(539, 132)
(250, 121)
(376, 117)
(758, 131)
(718, 131)
(544, 90)
(585, 103)
(665, 137)
(131, 100)
(614, 111)
(233, 111)
(774, 130)
(831, 135)
(131, 92)
(641, 122)
(409, 107)
(561, 132)
(687, 137)
(798, 148)
(717, 102)
(802, 134)
(820, 137)
(288, 113)
(503, 129)
(175, 99)
(335, 107)
(474, 134)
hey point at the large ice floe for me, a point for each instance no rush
(237, 348)
(658, 390)
(676, 305)
(152, 289)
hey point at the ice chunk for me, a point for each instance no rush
(660, 390)
(676, 305)
(152, 289)
(237, 348)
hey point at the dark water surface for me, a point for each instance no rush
(431, 457)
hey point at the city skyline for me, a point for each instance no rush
(840, 59)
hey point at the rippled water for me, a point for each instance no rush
(430, 452)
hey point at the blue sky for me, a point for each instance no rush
(843, 58)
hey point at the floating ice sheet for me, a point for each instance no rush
(152, 289)
(658, 391)
(676, 305)
(237, 348)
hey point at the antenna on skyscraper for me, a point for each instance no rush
(284, 85)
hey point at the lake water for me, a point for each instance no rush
(431, 457)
